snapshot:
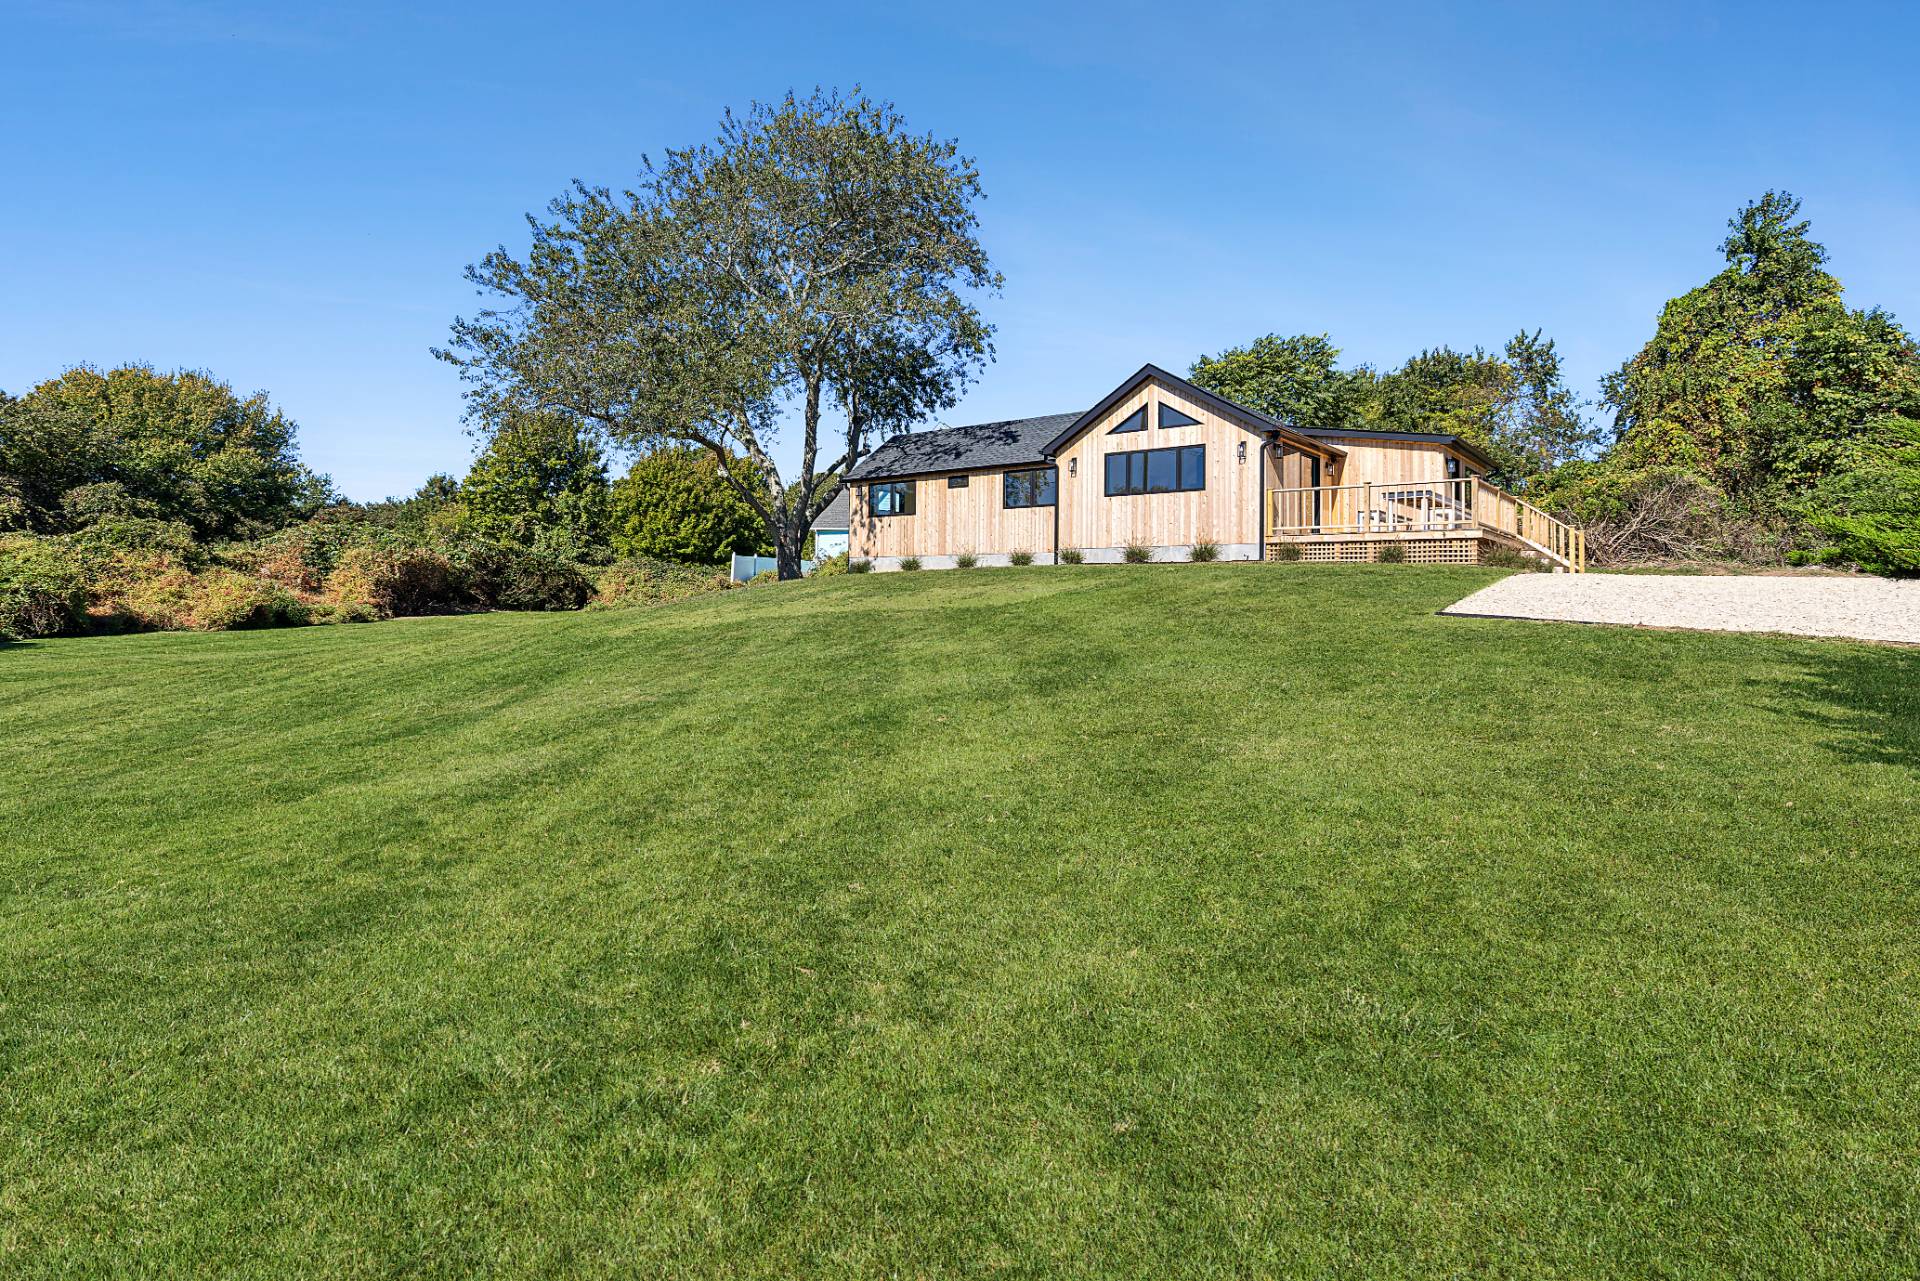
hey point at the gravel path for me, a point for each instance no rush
(1876, 609)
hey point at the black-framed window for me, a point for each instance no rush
(1182, 469)
(957, 482)
(1171, 417)
(891, 498)
(1031, 487)
(1135, 421)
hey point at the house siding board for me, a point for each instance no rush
(949, 522)
(1225, 512)
(1393, 462)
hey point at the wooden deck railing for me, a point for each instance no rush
(1412, 508)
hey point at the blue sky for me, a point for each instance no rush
(286, 194)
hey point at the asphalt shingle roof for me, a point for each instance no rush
(1012, 443)
(835, 514)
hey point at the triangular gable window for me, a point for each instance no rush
(1135, 421)
(1171, 417)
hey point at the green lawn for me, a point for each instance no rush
(1166, 921)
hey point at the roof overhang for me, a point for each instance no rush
(1458, 444)
(1250, 419)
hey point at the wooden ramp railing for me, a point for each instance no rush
(1413, 508)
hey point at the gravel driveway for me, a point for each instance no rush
(1876, 609)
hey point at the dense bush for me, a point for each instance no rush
(42, 589)
(1204, 552)
(965, 560)
(1020, 558)
(1391, 553)
(1137, 553)
(643, 580)
(909, 563)
(832, 566)
(859, 566)
(1071, 556)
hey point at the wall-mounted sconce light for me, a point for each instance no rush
(1073, 466)
(1243, 451)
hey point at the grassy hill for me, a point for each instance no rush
(1175, 921)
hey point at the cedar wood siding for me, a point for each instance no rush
(948, 522)
(1226, 511)
(1393, 462)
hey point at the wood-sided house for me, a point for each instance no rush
(1163, 464)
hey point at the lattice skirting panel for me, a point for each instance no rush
(1419, 551)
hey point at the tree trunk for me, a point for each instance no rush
(789, 540)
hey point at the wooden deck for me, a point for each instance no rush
(1435, 521)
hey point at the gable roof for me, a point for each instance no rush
(835, 515)
(1256, 420)
(1012, 443)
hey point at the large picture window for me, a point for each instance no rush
(1157, 471)
(1031, 487)
(894, 498)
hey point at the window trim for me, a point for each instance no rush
(1146, 468)
(1007, 476)
(907, 487)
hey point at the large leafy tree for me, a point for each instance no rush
(816, 261)
(1293, 378)
(180, 446)
(675, 504)
(1762, 380)
(541, 483)
(1515, 406)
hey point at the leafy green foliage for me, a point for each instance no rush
(674, 504)
(910, 563)
(965, 560)
(1137, 554)
(1290, 378)
(42, 592)
(92, 445)
(541, 485)
(816, 254)
(1020, 558)
(1204, 552)
(1871, 513)
(1072, 556)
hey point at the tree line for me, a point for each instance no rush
(817, 268)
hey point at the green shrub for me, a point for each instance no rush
(1204, 552)
(859, 566)
(395, 581)
(493, 575)
(831, 567)
(1870, 515)
(910, 563)
(1071, 556)
(218, 599)
(1286, 551)
(43, 588)
(644, 580)
(1020, 558)
(1137, 554)
(1499, 556)
(764, 578)
(965, 560)
(1390, 553)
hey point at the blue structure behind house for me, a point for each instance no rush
(830, 528)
